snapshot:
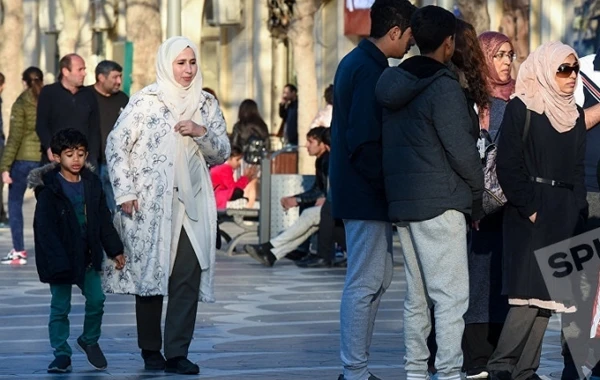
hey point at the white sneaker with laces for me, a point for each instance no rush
(15, 258)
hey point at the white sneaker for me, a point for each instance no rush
(481, 375)
(15, 258)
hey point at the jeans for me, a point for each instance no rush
(369, 274)
(60, 306)
(16, 191)
(107, 188)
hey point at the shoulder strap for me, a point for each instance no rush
(589, 85)
(527, 123)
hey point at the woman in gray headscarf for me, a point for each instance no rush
(158, 155)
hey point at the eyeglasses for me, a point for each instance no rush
(510, 55)
(565, 71)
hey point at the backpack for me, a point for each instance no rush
(493, 196)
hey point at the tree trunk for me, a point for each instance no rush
(11, 57)
(69, 38)
(303, 47)
(515, 25)
(144, 30)
(476, 13)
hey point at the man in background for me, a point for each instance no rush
(111, 101)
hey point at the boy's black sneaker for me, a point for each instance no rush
(153, 360)
(61, 364)
(182, 366)
(93, 353)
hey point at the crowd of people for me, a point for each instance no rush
(122, 205)
(417, 156)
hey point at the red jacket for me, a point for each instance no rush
(224, 185)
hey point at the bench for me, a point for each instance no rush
(238, 217)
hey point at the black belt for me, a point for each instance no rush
(551, 182)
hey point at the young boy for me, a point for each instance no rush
(72, 226)
(226, 189)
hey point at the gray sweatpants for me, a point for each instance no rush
(369, 274)
(436, 266)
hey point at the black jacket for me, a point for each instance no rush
(319, 188)
(430, 159)
(546, 154)
(59, 109)
(59, 247)
(355, 168)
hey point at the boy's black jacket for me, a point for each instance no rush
(59, 255)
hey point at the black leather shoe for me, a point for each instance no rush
(314, 262)
(500, 375)
(182, 366)
(297, 255)
(153, 360)
(261, 253)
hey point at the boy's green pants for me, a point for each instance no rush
(60, 306)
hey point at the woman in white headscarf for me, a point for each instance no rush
(158, 155)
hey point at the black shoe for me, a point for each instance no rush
(261, 253)
(93, 353)
(297, 255)
(153, 360)
(371, 377)
(340, 262)
(500, 375)
(314, 262)
(61, 364)
(181, 365)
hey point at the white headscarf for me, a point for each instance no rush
(183, 101)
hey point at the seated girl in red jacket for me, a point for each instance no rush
(226, 189)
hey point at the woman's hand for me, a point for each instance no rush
(129, 206)
(533, 217)
(189, 128)
(119, 261)
(6, 178)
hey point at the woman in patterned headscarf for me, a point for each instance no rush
(540, 168)
(158, 155)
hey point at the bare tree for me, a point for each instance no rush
(11, 56)
(303, 47)
(476, 13)
(144, 30)
(515, 24)
(294, 21)
(70, 37)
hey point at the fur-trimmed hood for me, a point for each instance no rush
(37, 178)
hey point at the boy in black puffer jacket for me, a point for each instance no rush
(72, 226)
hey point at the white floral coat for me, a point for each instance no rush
(140, 153)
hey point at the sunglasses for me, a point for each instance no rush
(565, 71)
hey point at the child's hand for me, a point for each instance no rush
(251, 172)
(120, 261)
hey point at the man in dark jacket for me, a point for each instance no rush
(433, 178)
(111, 101)
(72, 228)
(288, 112)
(356, 177)
(67, 104)
(317, 144)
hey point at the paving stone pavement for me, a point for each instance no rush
(268, 323)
